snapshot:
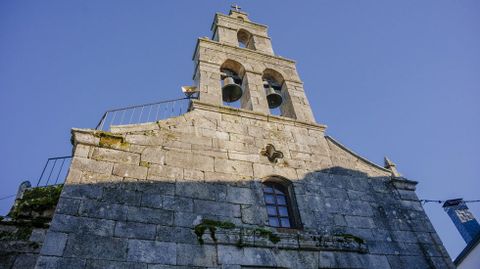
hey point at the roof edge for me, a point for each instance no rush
(357, 155)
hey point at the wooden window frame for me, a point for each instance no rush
(286, 187)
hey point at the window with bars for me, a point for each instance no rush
(278, 205)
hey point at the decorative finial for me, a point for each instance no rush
(392, 167)
(236, 7)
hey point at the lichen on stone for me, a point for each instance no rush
(166, 132)
(145, 164)
(150, 133)
(110, 140)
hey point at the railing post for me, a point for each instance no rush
(41, 175)
(158, 108)
(169, 109)
(100, 124)
(123, 115)
(60, 170)
(131, 116)
(141, 112)
(113, 118)
(51, 171)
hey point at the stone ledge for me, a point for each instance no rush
(253, 53)
(196, 104)
(88, 136)
(403, 183)
(235, 29)
(248, 237)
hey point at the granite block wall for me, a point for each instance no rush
(135, 197)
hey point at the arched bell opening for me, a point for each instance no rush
(231, 79)
(245, 39)
(272, 84)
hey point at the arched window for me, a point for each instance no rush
(280, 202)
(245, 39)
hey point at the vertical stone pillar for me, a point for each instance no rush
(226, 35)
(295, 104)
(207, 79)
(263, 44)
(254, 96)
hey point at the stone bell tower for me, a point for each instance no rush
(232, 188)
(244, 48)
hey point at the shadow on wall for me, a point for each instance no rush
(341, 218)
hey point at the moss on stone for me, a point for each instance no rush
(267, 234)
(240, 243)
(4, 235)
(34, 245)
(35, 201)
(352, 237)
(21, 233)
(212, 226)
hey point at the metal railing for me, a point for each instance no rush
(144, 113)
(55, 171)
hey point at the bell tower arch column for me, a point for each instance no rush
(296, 104)
(254, 95)
(207, 78)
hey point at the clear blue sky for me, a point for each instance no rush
(396, 78)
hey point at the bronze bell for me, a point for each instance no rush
(231, 91)
(274, 99)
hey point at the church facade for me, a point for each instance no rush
(224, 187)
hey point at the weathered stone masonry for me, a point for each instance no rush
(137, 197)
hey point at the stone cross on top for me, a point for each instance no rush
(236, 7)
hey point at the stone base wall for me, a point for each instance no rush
(135, 197)
(23, 230)
(20, 246)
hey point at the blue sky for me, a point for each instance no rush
(395, 78)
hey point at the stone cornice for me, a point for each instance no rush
(264, 56)
(253, 34)
(243, 50)
(299, 83)
(196, 104)
(292, 240)
(404, 184)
